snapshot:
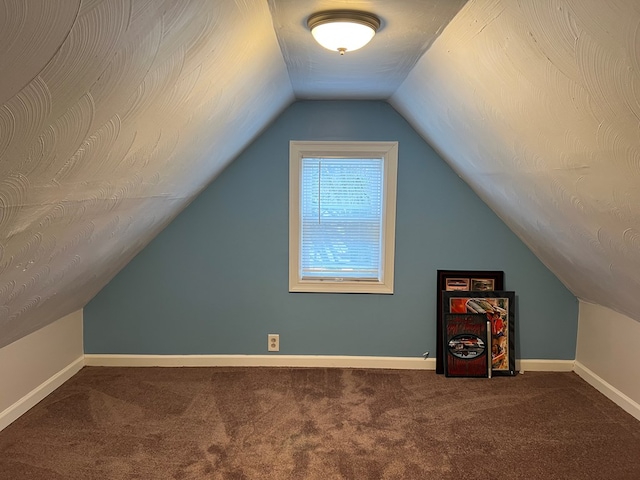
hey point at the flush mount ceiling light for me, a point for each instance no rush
(343, 30)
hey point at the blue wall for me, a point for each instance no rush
(215, 281)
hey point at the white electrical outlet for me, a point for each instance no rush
(274, 342)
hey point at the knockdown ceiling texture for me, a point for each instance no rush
(116, 113)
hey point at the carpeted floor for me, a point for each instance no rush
(280, 423)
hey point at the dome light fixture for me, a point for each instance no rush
(343, 30)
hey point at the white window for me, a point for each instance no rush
(342, 215)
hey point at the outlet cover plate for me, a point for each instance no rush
(274, 342)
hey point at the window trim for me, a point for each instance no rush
(388, 151)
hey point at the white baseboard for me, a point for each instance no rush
(10, 414)
(404, 363)
(411, 363)
(532, 365)
(616, 396)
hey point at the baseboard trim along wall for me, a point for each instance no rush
(414, 363)
(402, 363)
(532, 365)
(35, 365)
(616, 396)
(19, 408)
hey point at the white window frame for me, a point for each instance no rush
(388, 151)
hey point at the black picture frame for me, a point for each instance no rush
(466, 278)
(499, 307)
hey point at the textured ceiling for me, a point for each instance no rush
(536, 105)
(121, 113)
(115, 113)
(408, 28)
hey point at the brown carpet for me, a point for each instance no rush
(278, 423)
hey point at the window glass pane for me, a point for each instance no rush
(341, 218)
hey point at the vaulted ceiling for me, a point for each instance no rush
(116, 113)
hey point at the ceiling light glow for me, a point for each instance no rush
(343, 30)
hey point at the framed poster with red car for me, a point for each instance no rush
(498, 307)
(467, 340)
(461, 280)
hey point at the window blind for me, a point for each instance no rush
(341, 214)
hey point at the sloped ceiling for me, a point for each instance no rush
(116, 113)
(536, 104)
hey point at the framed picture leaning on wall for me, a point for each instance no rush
(467, 340)
(499, 309)
(461, 280)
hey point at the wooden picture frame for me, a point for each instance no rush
(499, 309)
(461, 280)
